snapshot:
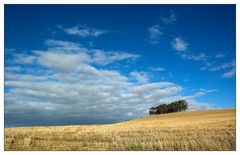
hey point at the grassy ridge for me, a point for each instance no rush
(196, 130)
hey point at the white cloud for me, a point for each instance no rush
(141, 77)
(70, 89)
(220, 55)
(140, 89)
(160, 93)
(189, 56)
(25, 77)
(230, 73)
(12, 68)
(229, 65)
(195, 105)
(60, 61)
(101, 57)
(24, 58)
(63, 52)
(170, 19)
(9, 50)
(204, 91)
(157, 69)
(181, 47)
(199, 93)
(155, 32)
(61, 43)
(84, 31)
(179, 44)
(129, 114)
(222, 66)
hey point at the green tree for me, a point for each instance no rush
(177, 106)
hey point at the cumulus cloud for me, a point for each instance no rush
(77, 53)
(63, 62)
(84, 31)
(70, 89)
(155, 32)
(179, 44)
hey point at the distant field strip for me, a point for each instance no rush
(195, 130)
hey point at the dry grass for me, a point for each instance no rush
(197, 130)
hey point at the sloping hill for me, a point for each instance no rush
(195, 130)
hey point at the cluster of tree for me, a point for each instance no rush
(176, 106)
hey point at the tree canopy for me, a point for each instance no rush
(177, 106)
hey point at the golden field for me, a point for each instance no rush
(195, 130)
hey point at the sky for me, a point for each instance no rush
(97, 64)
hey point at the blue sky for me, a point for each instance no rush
(87, 64)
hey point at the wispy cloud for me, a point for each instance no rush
(102, 57)
(63, 55)
(170, 19)
(155, 32)
(200, 93)
(61, 43)
(12, 68)
(99, 57)
(211, 67)
(141, 77)
(220, 55)
(83, 31)
(24, 58)
(187, 79)
(157, 69)
(189, 56)
(225, 66)
(179, 44)
(8, 50)
(230, 73)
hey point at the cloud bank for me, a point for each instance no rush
(69, 84)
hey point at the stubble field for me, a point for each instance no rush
(195, 130)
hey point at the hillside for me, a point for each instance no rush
(195, 130)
